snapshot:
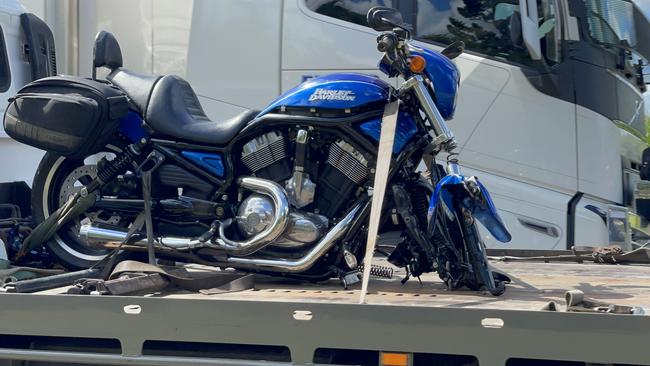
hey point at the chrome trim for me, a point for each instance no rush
(453, 169)
(306, 262)
(348, 161)
(304, 228)
(300, 189)
(269, 234)
(302, 136)
(261, 142)
(101, 236)
(255, 214)
(98, 235)
(263, 151)
(444, 137)
(94, 235)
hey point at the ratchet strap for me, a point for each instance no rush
(75, 206)
(212, 282)
(384, 155)
(130, 277)
(576, 301)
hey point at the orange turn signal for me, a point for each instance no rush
(394, 359)
(417, 64)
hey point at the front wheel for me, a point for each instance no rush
(480, 276)
(56, 180)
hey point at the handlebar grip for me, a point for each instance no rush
(385, 43)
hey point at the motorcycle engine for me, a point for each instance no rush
(315, 198)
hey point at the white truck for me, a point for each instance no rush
(551, 111)
(17, 161)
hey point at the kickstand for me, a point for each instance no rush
(408, 275)
(146, 195)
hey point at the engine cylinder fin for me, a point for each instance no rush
(263, 151)
(348, 161)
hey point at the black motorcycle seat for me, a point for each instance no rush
(172, 110)
(136, 85)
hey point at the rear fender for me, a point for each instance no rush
(455, 189)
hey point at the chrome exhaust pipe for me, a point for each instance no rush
(102, 237)
(99, 236)
(306, 262)
(266, 236)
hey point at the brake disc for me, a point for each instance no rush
(73, 184)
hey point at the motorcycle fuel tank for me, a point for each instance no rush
(333, 91)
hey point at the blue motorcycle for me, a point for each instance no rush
(284, 191)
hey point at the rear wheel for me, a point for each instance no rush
(56, 180)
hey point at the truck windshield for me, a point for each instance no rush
(611, 21)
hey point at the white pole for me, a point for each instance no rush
(384, 155)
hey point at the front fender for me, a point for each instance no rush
(456, 189)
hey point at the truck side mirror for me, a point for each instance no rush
(506, 12)
(106, 52)
(530, 28)
(516, 35)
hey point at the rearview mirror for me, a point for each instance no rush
(383, 19)
(106, 52)
(454, 50)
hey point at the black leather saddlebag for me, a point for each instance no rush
(73, 117)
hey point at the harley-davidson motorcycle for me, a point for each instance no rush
(282, 191)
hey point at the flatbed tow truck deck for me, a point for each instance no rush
(281, 322)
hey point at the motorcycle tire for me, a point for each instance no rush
(56, 178)
(483, 278)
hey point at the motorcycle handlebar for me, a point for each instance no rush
(386, 42)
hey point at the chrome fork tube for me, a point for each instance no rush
(444, 137)
(453, 168)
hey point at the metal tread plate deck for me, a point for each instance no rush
(406, 318)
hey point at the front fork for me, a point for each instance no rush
(473, 196)
(443, 139)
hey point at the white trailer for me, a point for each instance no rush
(553, 124)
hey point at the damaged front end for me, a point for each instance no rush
(472, 196)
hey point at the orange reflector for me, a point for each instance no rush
(417, 64)
(394, 359)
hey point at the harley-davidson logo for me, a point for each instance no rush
(325, 94)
